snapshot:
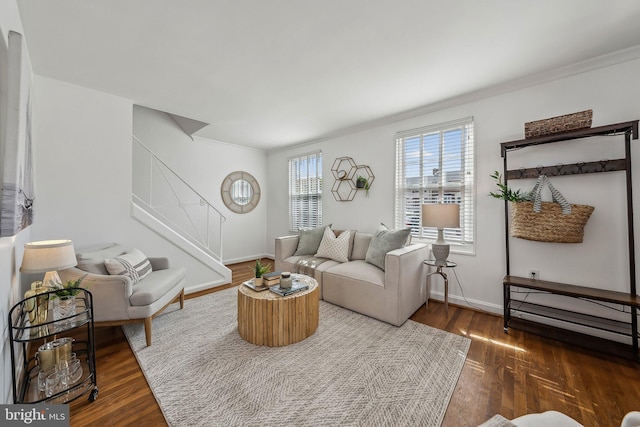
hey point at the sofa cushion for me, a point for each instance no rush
(91, 259)
(358, 270)
(156, 285)
(385, 241)
(309, 240)
(361, 243)
(335, 248)
(133, 264)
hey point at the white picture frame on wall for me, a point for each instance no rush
(18, 195)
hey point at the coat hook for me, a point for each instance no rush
(539, 169)
(603, 165)
(580, 165)
(559, 167)
(522, 171)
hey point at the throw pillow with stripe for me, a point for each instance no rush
(133, 264)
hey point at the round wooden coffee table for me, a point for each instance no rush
(265, 318)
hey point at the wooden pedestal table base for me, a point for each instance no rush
(265, 318)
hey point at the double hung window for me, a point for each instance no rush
(305, 191)
(435, 164)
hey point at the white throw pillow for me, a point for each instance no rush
(133, 264)
(335, 248)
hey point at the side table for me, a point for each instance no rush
(450, 264)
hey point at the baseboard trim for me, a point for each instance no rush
(204, 286)
(467, 303)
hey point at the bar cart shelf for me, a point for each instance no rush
(26, 339)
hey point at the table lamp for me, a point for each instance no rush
(441, 216)
(48, 257)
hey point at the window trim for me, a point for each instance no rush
(317, 157)
(469, 159)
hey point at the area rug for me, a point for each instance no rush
(354, 371)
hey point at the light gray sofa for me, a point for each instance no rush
(391, 295)
(116, 300)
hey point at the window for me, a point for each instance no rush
(305, 191)
(434, 164)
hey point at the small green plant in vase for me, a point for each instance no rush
(258, 270)
(362, 182)
(69, 289)
(64, 301)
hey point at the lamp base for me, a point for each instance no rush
(440, 253)
(52, 279)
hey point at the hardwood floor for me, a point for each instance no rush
(510, 374)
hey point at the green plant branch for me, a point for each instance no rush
(506, 193)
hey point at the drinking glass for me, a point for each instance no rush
(67, 368)
(52, 384)
(74, 368)
(42, 378)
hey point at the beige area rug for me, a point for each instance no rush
(354, 371)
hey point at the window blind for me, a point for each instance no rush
(435, 164)
(305, 191)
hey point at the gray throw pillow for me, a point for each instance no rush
(385, 241)
(309, 240)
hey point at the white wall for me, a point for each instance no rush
(83, 160)
(204, 164)
(610, 92)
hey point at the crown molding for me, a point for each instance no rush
(603, 61)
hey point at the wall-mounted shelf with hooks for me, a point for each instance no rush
(522, 314)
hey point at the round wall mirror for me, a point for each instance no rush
(240, 192)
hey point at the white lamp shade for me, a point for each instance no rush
(48, 255)
(441, 215)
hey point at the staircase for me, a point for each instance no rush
(169, 206)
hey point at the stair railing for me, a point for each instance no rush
(165, 195)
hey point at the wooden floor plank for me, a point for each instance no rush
(511, 374)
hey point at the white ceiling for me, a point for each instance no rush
(268, 73)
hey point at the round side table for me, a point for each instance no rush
(265, 318)
(439, 267)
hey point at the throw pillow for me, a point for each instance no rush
(383, 227)
(335, 248)
(133, 264)
(309, 240)
(361, 244)
(385, 241)
(351, 240)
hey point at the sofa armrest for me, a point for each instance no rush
(404, 275)
(285, 247)
(110, 293)
(159, 263)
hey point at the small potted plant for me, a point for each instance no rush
(258, 270)
(64, 298)
(362, 182)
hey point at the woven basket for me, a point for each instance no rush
(550, 224)
(580, 120)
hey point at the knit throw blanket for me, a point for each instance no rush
(307, 265)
